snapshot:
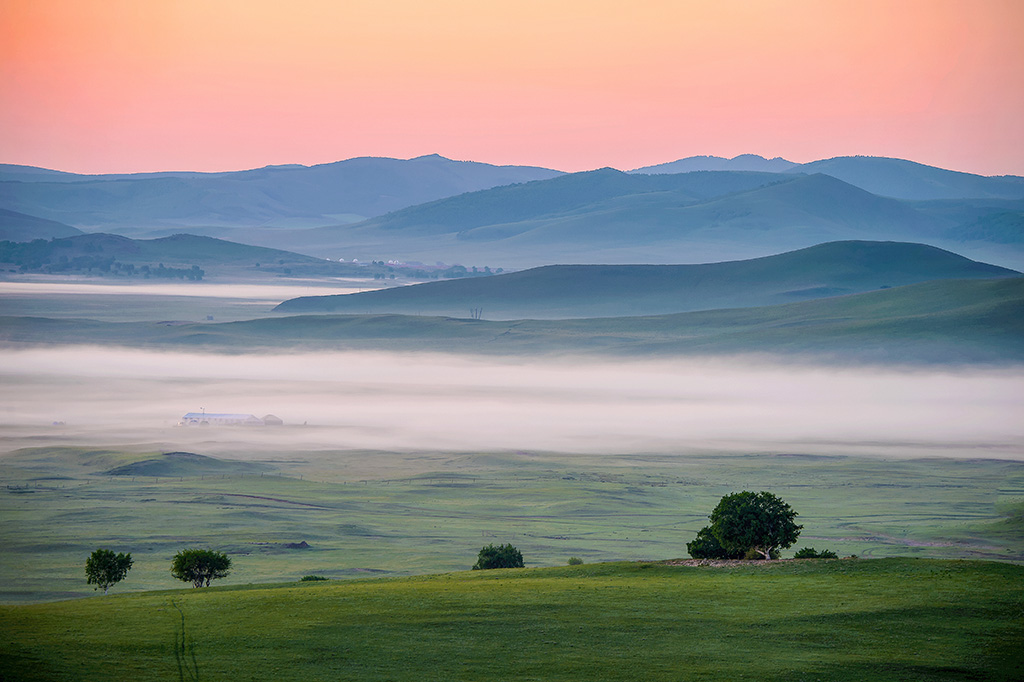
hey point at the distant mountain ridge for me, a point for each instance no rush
(606, 216)
(274, 196)
(743, 162)
(432, 209)
(581, 291)
(888, 177)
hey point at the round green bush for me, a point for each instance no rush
(501, 556)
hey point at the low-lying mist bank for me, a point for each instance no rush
(964, 322)
(425, 401)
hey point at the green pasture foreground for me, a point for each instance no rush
(880, 619)
(57, 507)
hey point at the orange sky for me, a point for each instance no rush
(132, 85)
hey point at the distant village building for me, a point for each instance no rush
(213, 419)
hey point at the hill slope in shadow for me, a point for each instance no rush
(575, 291)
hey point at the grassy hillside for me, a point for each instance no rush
(568, 291)
(943, 321)
(894, 619)
(178, 464)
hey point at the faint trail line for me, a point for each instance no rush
(278, 499)
(180, 647)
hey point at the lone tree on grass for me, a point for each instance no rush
(104, 568)
(200, 566)
(746, 522)
(502, 556)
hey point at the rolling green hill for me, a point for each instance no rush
(886, 619)
(946, 321)
(178, 464)
(567, 291)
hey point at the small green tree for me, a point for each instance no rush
(200, 566)
(502, 556)
(103, 568)
(754, 521)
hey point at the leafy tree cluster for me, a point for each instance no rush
(500, 556)
(457, 271)
(746, 524)
(41, 255)
(103, 568)
(197, 566)
(194, 273)
(200, 566)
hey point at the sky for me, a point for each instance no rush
(101, 86)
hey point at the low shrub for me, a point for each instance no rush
(309, 578)
(501, 556)
(810, 553)
(575, 561)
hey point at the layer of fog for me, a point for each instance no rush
(442, 402)
(257, 292)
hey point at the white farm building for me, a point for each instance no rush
(213, 419)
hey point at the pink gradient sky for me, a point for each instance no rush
(99, 86)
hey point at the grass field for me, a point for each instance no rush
(888, 619)
(379, 513)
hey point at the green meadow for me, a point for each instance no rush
(364, 513)
(885, 619)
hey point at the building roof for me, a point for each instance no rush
(215, 415)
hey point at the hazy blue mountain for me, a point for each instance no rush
(101, 254)
(689, 217)
(884, 176)
(275, 196)
(17, 173)
(946, 321)
(743, 162)
(575, 291)
(571, 194)
(433, 209)
(19, 227)
(909, 180)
